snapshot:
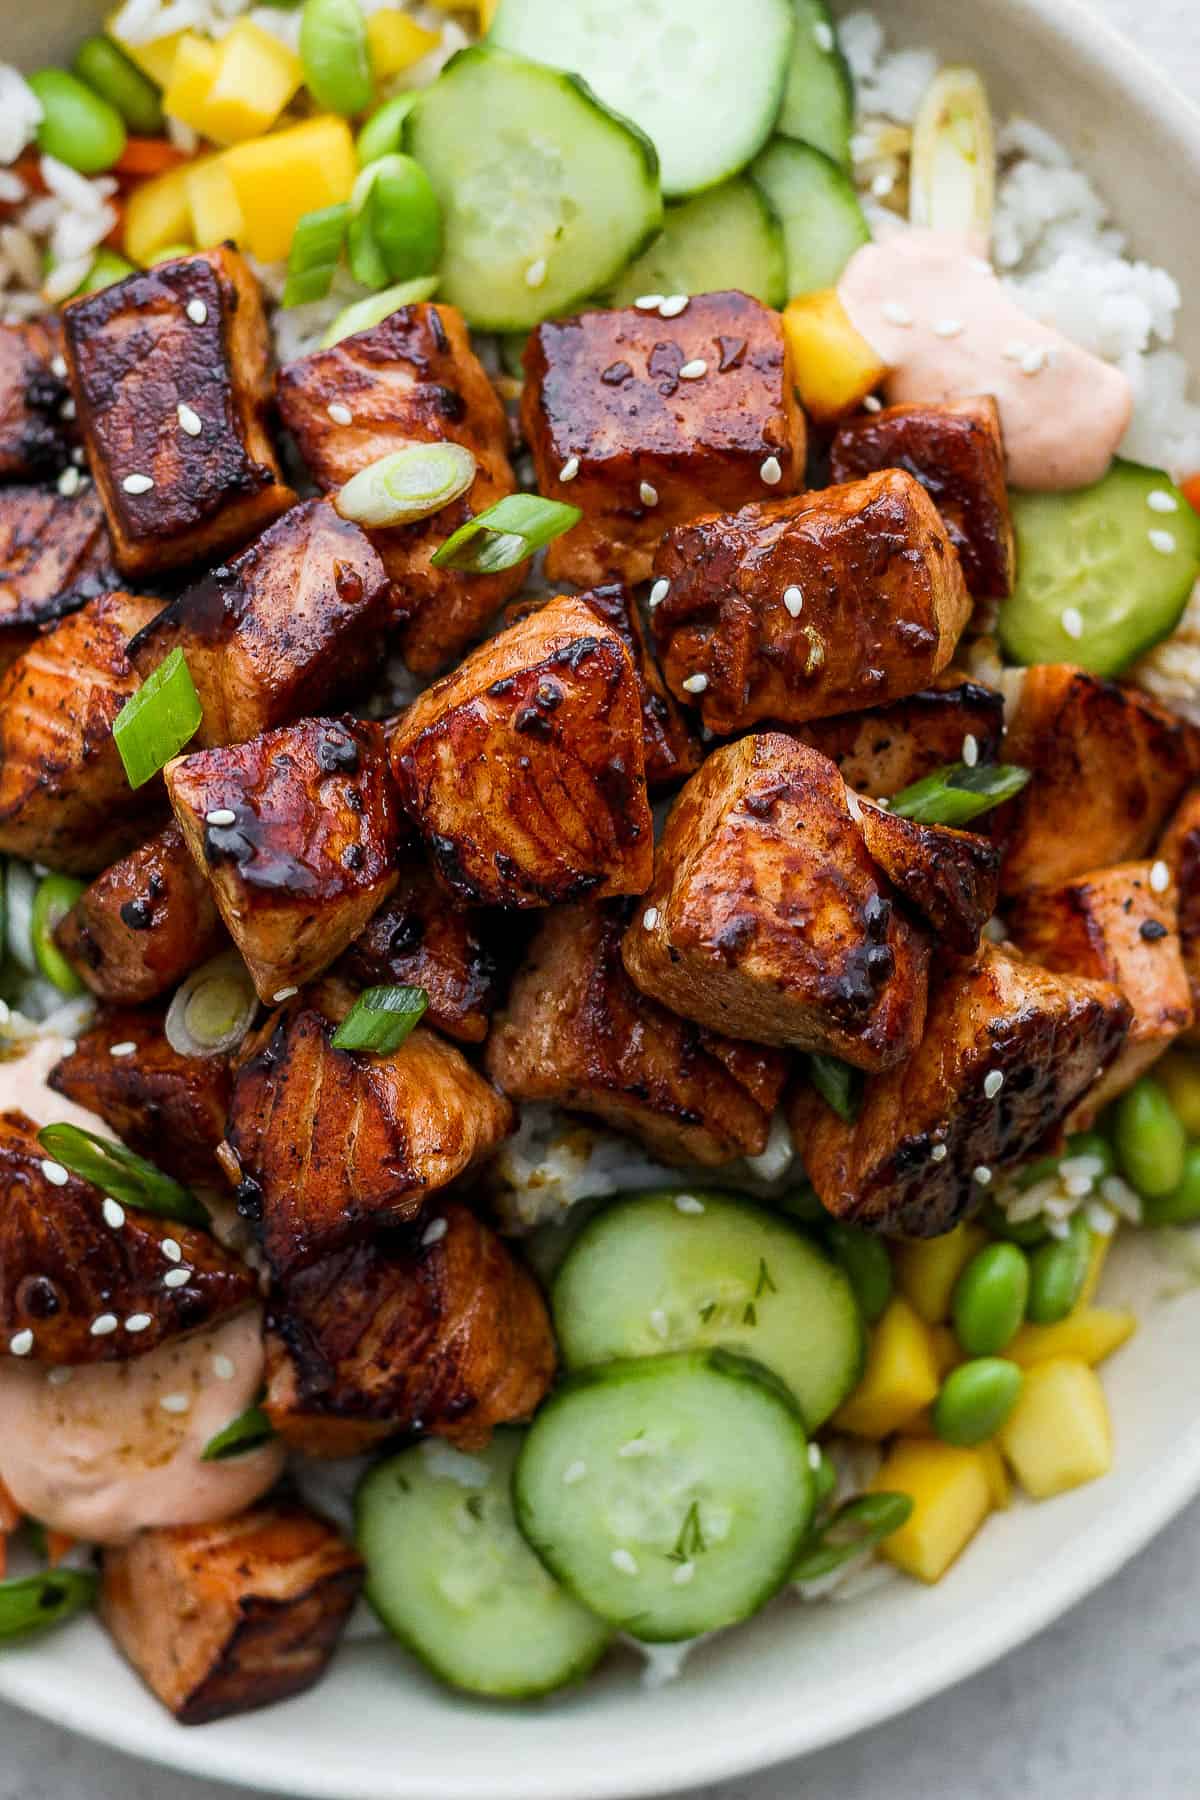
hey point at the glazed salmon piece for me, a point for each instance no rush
(577, 1032)
(417, 940)
(36, 431)
(221, 1619)
(1180, 849)
(878, 753)
(55, 553)
(951, 878)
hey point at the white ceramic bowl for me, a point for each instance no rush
(378, 1728)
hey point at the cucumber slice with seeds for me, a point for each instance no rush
(823, 223)
(818, 101)
(727, 238)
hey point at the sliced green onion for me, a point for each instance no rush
(952, 178)
(54, 899)
(20, 892)
(859, 1525)
(313, 258)
(380, 1019)
(118, 1172)
(384, 130)
(363, 252)
(957, 794)
(508, 532)
(408, 484)
(36, 1602)
(155, 723)
(249, 1431)
(214, 1009)
(364, 315)
(838, 1084)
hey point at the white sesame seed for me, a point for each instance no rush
(970, 750)
(823, 35)
(175, 1403)
(982, 1174)
(434, 1232)
(535, 274)
(137, 484)
(69, 483)
(55, 1174)
(21, 1344)
(1158, 500)
(189, 420)
(224, 1368)
(688, 1203)
(993, 1081)
(683, 1574)
(284, 993)
(1078, 1186)
(340, 413)
(622, 1560)
(852, 806)
(658, 1323)
(1034, 360)
(570, 469)
(79, 456)
(648, 494)
(939, 1153)
(980, 265)
(793, 599)
(650, 918)
(138, 1322)
(896, 314)
(114, 1214)
(171, 1250)
(197, 312)
(1015, 350)
(814, 1456)
(573, 1473)
(695, 684)
(771, 471)
(1162, 541)
(673, 305)
(177, 1278)
(649, 302)
(126, 1047)
(659, 592)
(104, 1325)
(1071, 620)
(883, 183)
(638, 1446)
(68, 410)
(872, 403)
(1101, 1219)
(948, 328)
(694, 370)
(1160, 877)
(221, 815)
(58, 367)
(60, 1377)
(883, 801)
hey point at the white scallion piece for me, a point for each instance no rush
(952, 181)
(413, 483)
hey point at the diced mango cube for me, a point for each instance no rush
(833, 365)
(1089, 1335)
(999, 1486)
(154, 59)
(1058, 1435)
(900, 1378)
(157, 213)
(216, 215)
(951, 1495)
(279, 177)
(192, 75)
(397, 42)
(255, 78)
(1097, 1257)
(927, 1268)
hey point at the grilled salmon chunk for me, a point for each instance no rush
(931, 1134)
(220, 1619)
(619, 429)
(952, 878)
(524, 770)
(412, 378)
(956, 452)
(181, 345)
(294, 622)
(576, 1031)
(35, 415)
(64, 799)
(55, 553)
(846, 598)
(436, 1329)
(417, 940)
(71, 1281)
(297, 832)
(881, 752)
(1180, 849)
(330, 1143)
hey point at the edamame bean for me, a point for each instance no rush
(1179, 1074)
(54, 899)
(1182, 1205)
(336, 55)
(107, 268)
(406, 219)
(78, 127)
(867, 1265)
(1149, 1139)
(975, 1400)
(1057, 1271)
(106, 69)
(384, 130)
(989, 1297)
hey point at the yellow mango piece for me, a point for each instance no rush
(486, 9)
(927, 1269)
(279, 177)
(900, 1378)
(1089, 1335)
(1179, 1073)
(254, 79)
(947, 1351)
(951, 1495)
(192, 75)
(1058, 1435)
(157, 213)
(999, 1486)
(154, 59)
(216, 214)
(833, 366)
(1097, 1257)
(397, 42)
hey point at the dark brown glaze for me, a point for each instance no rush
(413, 378)
(605, 388)
(64, 798)
(956, 452)
(293, 623)
(135, 357)
(576, 1031)
(879, 753)
(524, 769)
(768, 919)
(1048, 1035)
(417, 940)
(883, 603)
(331, 1143)
(1180, 849)
(221, 1619)
(1108, 767)
(55, 553)
(63, 1266)
(445, 1334)
(169, 1108)
(311, 851)
(952, 878)
(36, 432)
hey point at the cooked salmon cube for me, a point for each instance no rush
(294, 622)
(880, 752)
(72, 1279)
(437, 1330)
(951, 878)
(931, 1134)
(791, 610)
(645, 423)
(55, 553)
(36, 430)
(577, 1032)
(524, 769)
(956, 452)
(1180, 849)
(64, 798)
(220, 1619)
(169, 370)
(332, 1143)
(417, 940)
(413, 378)
(1108, 767)
(1119, 925)
(297, 832)
(143, 924)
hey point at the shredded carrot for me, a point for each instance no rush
(148, 156)
(10, 1518)
(1190, 489)
(116, 237)
(58, 1545)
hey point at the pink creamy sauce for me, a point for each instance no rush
(935, 313)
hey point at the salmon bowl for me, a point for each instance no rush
(929, 1487)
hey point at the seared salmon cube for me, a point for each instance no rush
(412, 378)
(297, 832)
(931, 1134)
(646, 422)
(524, 769)
(880, 752)
(220, 1619)
(169, 369)
(956, 452)
(791, 610)
(951, 878)
(417, 940)
(1180, 850)
(577, 1032)
(36, 410)
(55, 553)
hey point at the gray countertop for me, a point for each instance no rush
(1101, 1705)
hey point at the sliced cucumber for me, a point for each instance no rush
(682, 1271)
(703, 79)
(818, 101)
(450, 1575)
(1103, 572)
(727, 238)
(823, 223)
(669, 1495)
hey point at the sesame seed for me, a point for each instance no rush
(1078, 1186)
(1160, 877)
(114, 1214)
(197, 312)
(104, 1325)
(649, 302)
(434, 1232)
(55, 1173)
(659, 592)
(948, 328)
(993, 1081)
(340, 413)
(694, 370)
(177, 1278)
(814, 1456)
(171, 1250)
(1034, 360)
(622, 1560)
(138, 1322)
(224, 1368)
(69, 483)
(570, 469)
(852, 806)
(126, 1047)
(658, 1323)
(980, 265)
(872, 403)
(650, 917)
(535, 274)
(638, 1446)
(1071, 620)
(284, 993)
(895, 314)
(137, 484)
(673, 305)
(823, 35)
(221, 815)
(189, 420)
(688, 1203)
(1162, 541)
(939, 1153)
(982, 1174)
(58, 367)
(68, 410)
(695, 684)
(1158, 500)
(883, 183)
(970, 750)
(175, 1403)
(683, 1574)
(648, 494)
(1015, 350)
(793, 599)
(21, 1344)
(573, 1473)
(60, 1377)
(771, 471)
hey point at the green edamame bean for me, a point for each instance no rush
(54, 899)
(78, 127)
(1149, 1139)
(384, 130)
(406, 219)
(867, 1266)
(975, 1400)
(1179, 1074)
(989, 1297)
(1056, 1273)
(107, 268)
(172, 253)
(336, 55)
(1182, 1205)
(106, 69)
